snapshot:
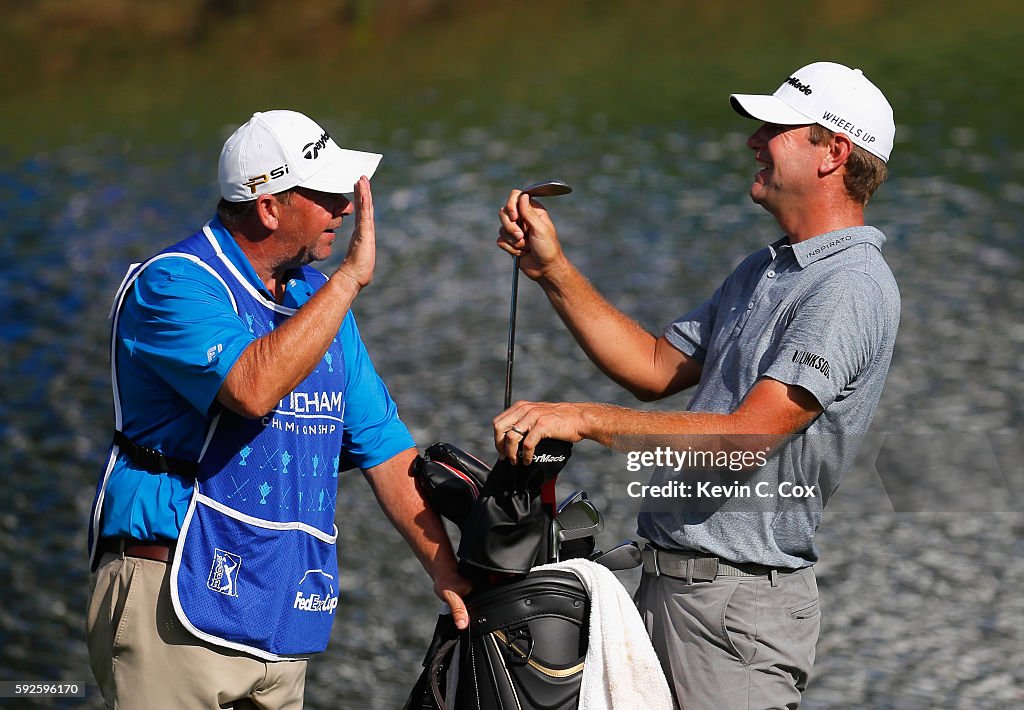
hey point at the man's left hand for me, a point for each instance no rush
(524, 424)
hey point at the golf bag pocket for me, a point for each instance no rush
(525, 649)
(270, 589)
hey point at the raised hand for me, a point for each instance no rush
(361, 258)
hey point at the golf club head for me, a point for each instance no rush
(570, 499)
(547, 188)
(579, 520)
(576, 524)
(621, 557)
(577, 549)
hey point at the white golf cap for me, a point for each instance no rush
(831, 95)
(277, 150)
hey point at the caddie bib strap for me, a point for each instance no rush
(152, 460)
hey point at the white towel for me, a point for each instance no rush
(621, 670)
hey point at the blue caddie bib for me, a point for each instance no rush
(256, 567)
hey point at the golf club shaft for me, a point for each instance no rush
(510, 358)
(548, 188)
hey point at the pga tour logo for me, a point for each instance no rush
(224, 573)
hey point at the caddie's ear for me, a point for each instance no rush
(268, 211)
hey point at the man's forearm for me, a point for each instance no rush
(617, 344)
(769, 413)
(626, 429)
(273, 365)
(400, 499)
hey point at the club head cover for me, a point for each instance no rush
(450, 480)
(507, 528)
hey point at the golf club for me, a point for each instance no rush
(621, 557)
(578, 521)
(571, 549)
(548, 188)
(570, 499)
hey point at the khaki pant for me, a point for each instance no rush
(142, 657)
(735, 643)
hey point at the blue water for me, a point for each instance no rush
(657, 218)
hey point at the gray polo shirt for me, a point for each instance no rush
(821, 314)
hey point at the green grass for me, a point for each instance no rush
(942, 63)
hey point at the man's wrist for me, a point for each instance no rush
(556, 275)
(349, 280)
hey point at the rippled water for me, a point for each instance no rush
(921, 593)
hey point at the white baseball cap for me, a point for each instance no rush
(831, 95)
(277, 150)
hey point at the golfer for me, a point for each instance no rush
(790, 352)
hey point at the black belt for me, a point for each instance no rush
(697, 567)
(152, 460)
(158, 550)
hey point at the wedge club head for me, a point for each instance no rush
(621, 557)
(547, 188)
(570, 499)
(579, 521)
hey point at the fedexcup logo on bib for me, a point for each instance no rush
(316, 593)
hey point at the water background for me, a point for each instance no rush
(922, 561)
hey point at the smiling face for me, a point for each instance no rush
(307, 224)
(789, 166)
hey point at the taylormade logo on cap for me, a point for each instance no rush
(277, 150)
(831, 95)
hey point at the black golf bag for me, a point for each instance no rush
(525, 648)
(527, 640)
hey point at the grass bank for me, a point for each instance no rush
(147, 70)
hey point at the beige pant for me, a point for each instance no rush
(143, 657)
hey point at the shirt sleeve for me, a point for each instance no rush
(834, 334)
(179, 321)
(691, 333)
(373, 432)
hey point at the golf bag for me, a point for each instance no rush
(525, 648)
(527, 639)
